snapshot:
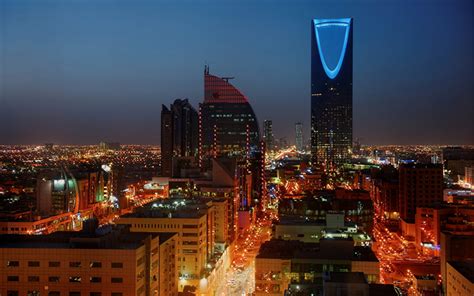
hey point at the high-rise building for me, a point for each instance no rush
(299, 136)
(420, 185)
(179, 133)
(331, 90)
(228, 125)
(268, 135)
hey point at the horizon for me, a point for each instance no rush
(101, 71)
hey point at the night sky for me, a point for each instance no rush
(80, 72)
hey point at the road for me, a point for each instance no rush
(240, 278)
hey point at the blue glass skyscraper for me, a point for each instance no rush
(331, 90)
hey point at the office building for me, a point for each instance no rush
(104, 261)
(194, 222)
(227, 125)
(456, 159)
(268, 137)
(281, 262)
(179, 134)
(331, 90)
(420, 185)
(299, 136)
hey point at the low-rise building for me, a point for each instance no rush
(104, 261)
(283, 262)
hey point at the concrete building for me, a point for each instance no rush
(106, 261)
(454, 248)
(430, 222)
(312, 231)
(421, 185)
(194, 222)
(281, 262)
(460, 278)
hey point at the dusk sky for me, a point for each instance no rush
(81, 72)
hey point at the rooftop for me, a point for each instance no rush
(346, 277)
(334, 249)
(108, 237)
(172, 208)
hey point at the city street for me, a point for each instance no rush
(240, 278)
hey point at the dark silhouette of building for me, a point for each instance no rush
(179, 133)
(268, 135)
(420, 185)
(299, 136)
(331, 91)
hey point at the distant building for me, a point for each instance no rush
(469, 176)
(331, 91)
(420, 185)
(299, 136)
(268, 137)
(179, 134)
(109, 146)
(456, 159)
(56, 193)
(106, 261)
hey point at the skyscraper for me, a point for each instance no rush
(331, 90)
(268, 135)
(228, 125)
(179, 133)
(299, 136)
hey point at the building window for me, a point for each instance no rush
(33, 293)
(95, 264)
(95, 294)
(33, 264)
(13, 293)
(53, 279)
(75, 264)
(75, 279)
(13, 263)
(95, 279)
(116, 294)
(13, 278)
(74, 293)
(54, 264)
(54, 293)
(33, 278)
(117, 280)
(117, 265)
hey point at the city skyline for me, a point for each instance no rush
(106, 78)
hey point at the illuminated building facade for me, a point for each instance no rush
(268, 135)
(106, 261)
(179, 133)
(331, 90)
(299, 136)
(228, 125)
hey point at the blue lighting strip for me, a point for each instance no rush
(344, 22)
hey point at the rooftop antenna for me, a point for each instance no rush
(227, 78)
(206, 69)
